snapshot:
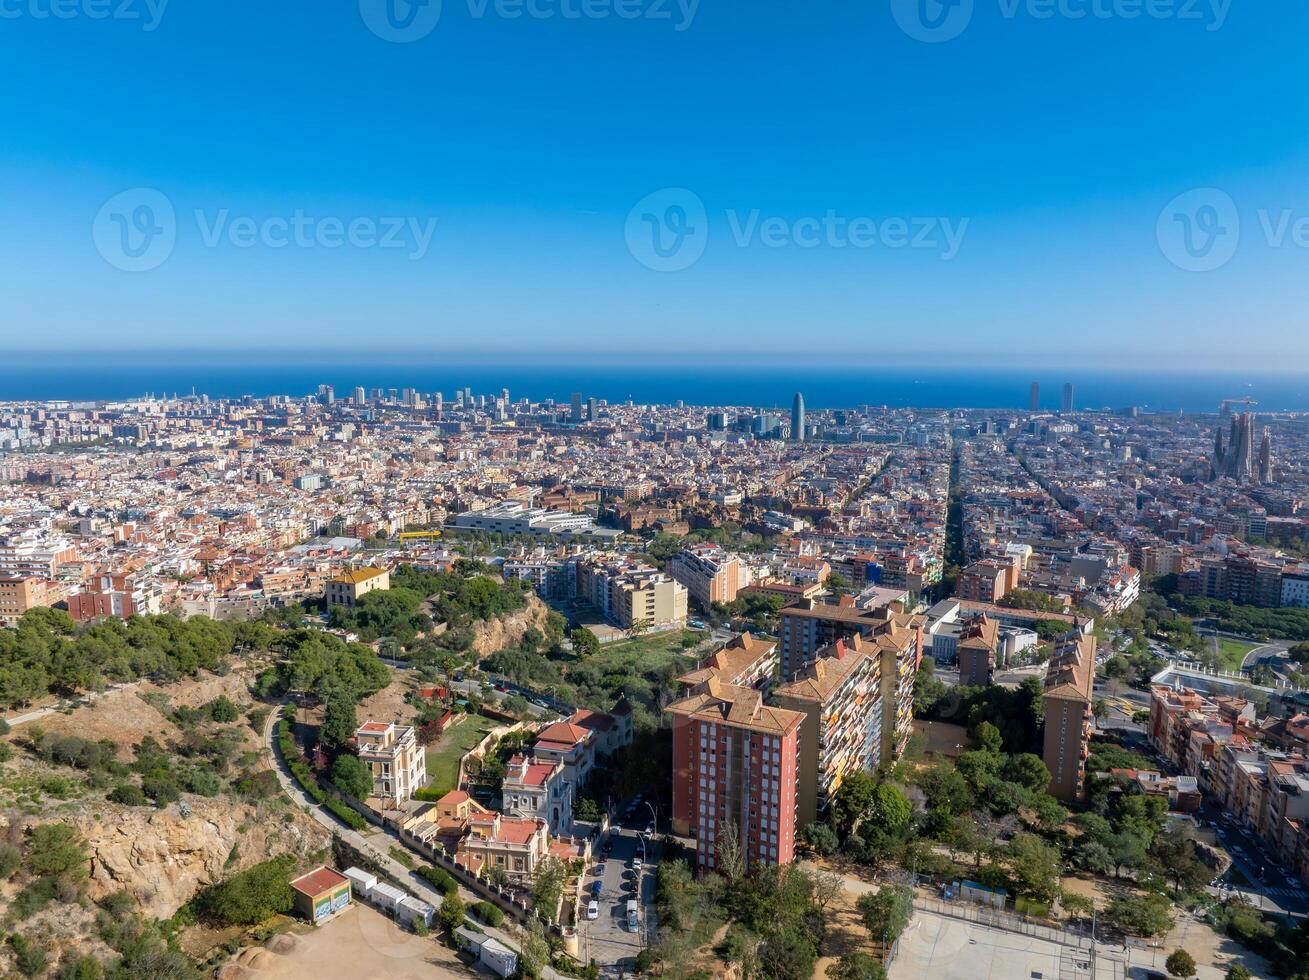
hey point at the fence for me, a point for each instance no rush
(981, 915)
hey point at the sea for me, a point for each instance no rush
(720, 382)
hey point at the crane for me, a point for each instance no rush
(1227, 403)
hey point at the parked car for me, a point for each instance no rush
(596, 888)
(636, 864)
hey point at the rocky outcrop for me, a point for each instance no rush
(162, 858)
(491, 635)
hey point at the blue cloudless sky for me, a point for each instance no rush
(1052, 142)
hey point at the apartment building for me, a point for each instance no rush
(978, 639)
(809, 626)
(709, 574)
(348, 588)
(397, 761)
(987, 581)
(744, 661)
(899, 642)
(648, 599)
(734, 763)
(839, 694)
(1068, 685)
(19, 593)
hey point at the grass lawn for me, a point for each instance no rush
(1232, 652)
(653, 649)
(443, 758)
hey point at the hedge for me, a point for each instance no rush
(488, 913)
(352, 819)
(309, 782)
(439, 877)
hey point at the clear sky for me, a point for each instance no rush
(1034, 156)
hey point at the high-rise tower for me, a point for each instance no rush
(1068, 398)
(797, 418)
(1036, 396)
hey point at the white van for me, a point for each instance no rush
(633, 912)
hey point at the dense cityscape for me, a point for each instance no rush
(574, 686)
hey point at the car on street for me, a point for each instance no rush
(593, 910)
(596, 888)
(636, 864)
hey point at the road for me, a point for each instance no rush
(1277, 892)
(607, 939)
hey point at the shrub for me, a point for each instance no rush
(161, 789)
(222, 710)
(439, 878)
(488, 913)
(55, 849)
(347, 816)
(254, 895)
(128, 794)
(30, 958)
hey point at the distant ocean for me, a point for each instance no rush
(721, 383)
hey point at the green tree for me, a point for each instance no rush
(1035, 866)
(585, 643)
(254, 895)
(548, 887)
(1142, 915)
(452, 911)
(55, 849)
(820, 838)
(886, 912)
(856, 965)
(352, 776)
(1180, 963)
(853, 801)
(339, 723)
(989, 739)
(1238, 972)
(222, 710)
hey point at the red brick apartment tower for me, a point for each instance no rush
(734, 761)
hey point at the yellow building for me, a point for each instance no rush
(347, 589)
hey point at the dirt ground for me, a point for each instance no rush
(359, 944)
(845, 932)
(125, 718)
(388, 704)
(943, 737)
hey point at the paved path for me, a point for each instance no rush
(90, 698)
(418, 886)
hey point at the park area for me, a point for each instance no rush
(464, 733)
(1231, 653)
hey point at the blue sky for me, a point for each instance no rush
(1048, 145)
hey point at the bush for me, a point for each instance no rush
(346, 815)
(222, 710)
(352, 776)
(30, 958)
(161, 789)
(488, 913)
(254, 895)
(128, 794)
(438, 878)
(202, 782)
(55, 849)
(1180, 964)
